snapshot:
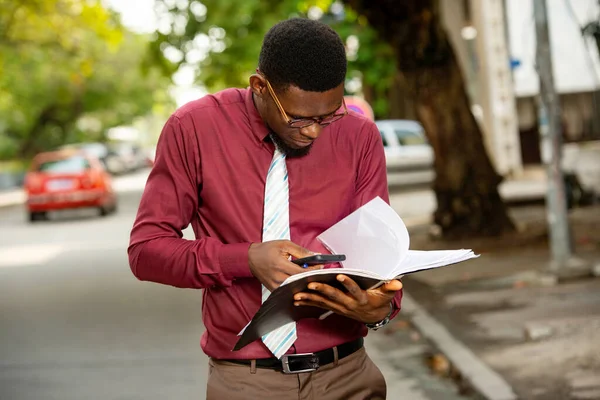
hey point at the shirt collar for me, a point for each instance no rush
(257, 125)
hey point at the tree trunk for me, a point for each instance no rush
(29, 146)
(368, 93)
(466, 184)
(401, 104)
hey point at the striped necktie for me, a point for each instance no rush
(276, 226)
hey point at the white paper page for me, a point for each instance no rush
(373, 238)
(443, 264)
(417, 260)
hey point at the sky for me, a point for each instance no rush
(139, 16)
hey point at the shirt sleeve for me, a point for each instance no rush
(157, 251)
(371, 180)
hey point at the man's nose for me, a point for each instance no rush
(312, 131)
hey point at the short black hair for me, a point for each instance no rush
(304, 53)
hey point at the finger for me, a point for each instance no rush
(354, 290)
(391, 287)
(295, 250)
(317, 300)
(312, 267)
(387, 291)
(306, 267)
(332, 293)
(289, 268)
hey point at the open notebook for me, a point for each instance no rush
(376, 244)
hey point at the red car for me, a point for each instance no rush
(66, 180)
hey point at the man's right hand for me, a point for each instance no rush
(269, 261)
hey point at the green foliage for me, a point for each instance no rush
(64, 61)
(229, 34)
(374, 60)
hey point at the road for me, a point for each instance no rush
(76, 324)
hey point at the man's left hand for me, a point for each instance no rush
(367, 306)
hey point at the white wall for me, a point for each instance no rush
(576, 67)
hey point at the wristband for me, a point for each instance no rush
(383, 322)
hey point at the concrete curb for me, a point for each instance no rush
(482, 378)
(12, 197)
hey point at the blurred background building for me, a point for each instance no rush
(495, 43)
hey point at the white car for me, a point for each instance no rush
(408, 155)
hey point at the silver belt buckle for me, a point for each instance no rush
(285, 363)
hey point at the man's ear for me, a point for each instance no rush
(258, 85)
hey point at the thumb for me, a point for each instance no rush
(295, 250)
(391, 286)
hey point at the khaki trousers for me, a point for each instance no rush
(355, 377)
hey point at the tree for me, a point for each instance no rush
(64, 61)
(222, 40)
(466, 183)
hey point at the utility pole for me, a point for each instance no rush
(551, 144)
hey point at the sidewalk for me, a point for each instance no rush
(412, 367)
(12, 197)
(540, 336)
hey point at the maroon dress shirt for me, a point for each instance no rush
(210, 171)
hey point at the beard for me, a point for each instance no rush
(290, 152)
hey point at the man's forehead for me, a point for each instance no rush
(302, 103)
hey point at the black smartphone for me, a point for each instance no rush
(318, 259)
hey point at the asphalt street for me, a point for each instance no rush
(76, 324)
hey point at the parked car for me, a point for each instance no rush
(110, 159)
(67, 179)
(131, 155)
(408, 155)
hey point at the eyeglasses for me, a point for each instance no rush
(304, 122)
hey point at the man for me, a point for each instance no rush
(259, 174)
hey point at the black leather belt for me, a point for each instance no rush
(296, 363)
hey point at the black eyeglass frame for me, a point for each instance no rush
(304, 122)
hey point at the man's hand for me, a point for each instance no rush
(367, 306)
(269, 261)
